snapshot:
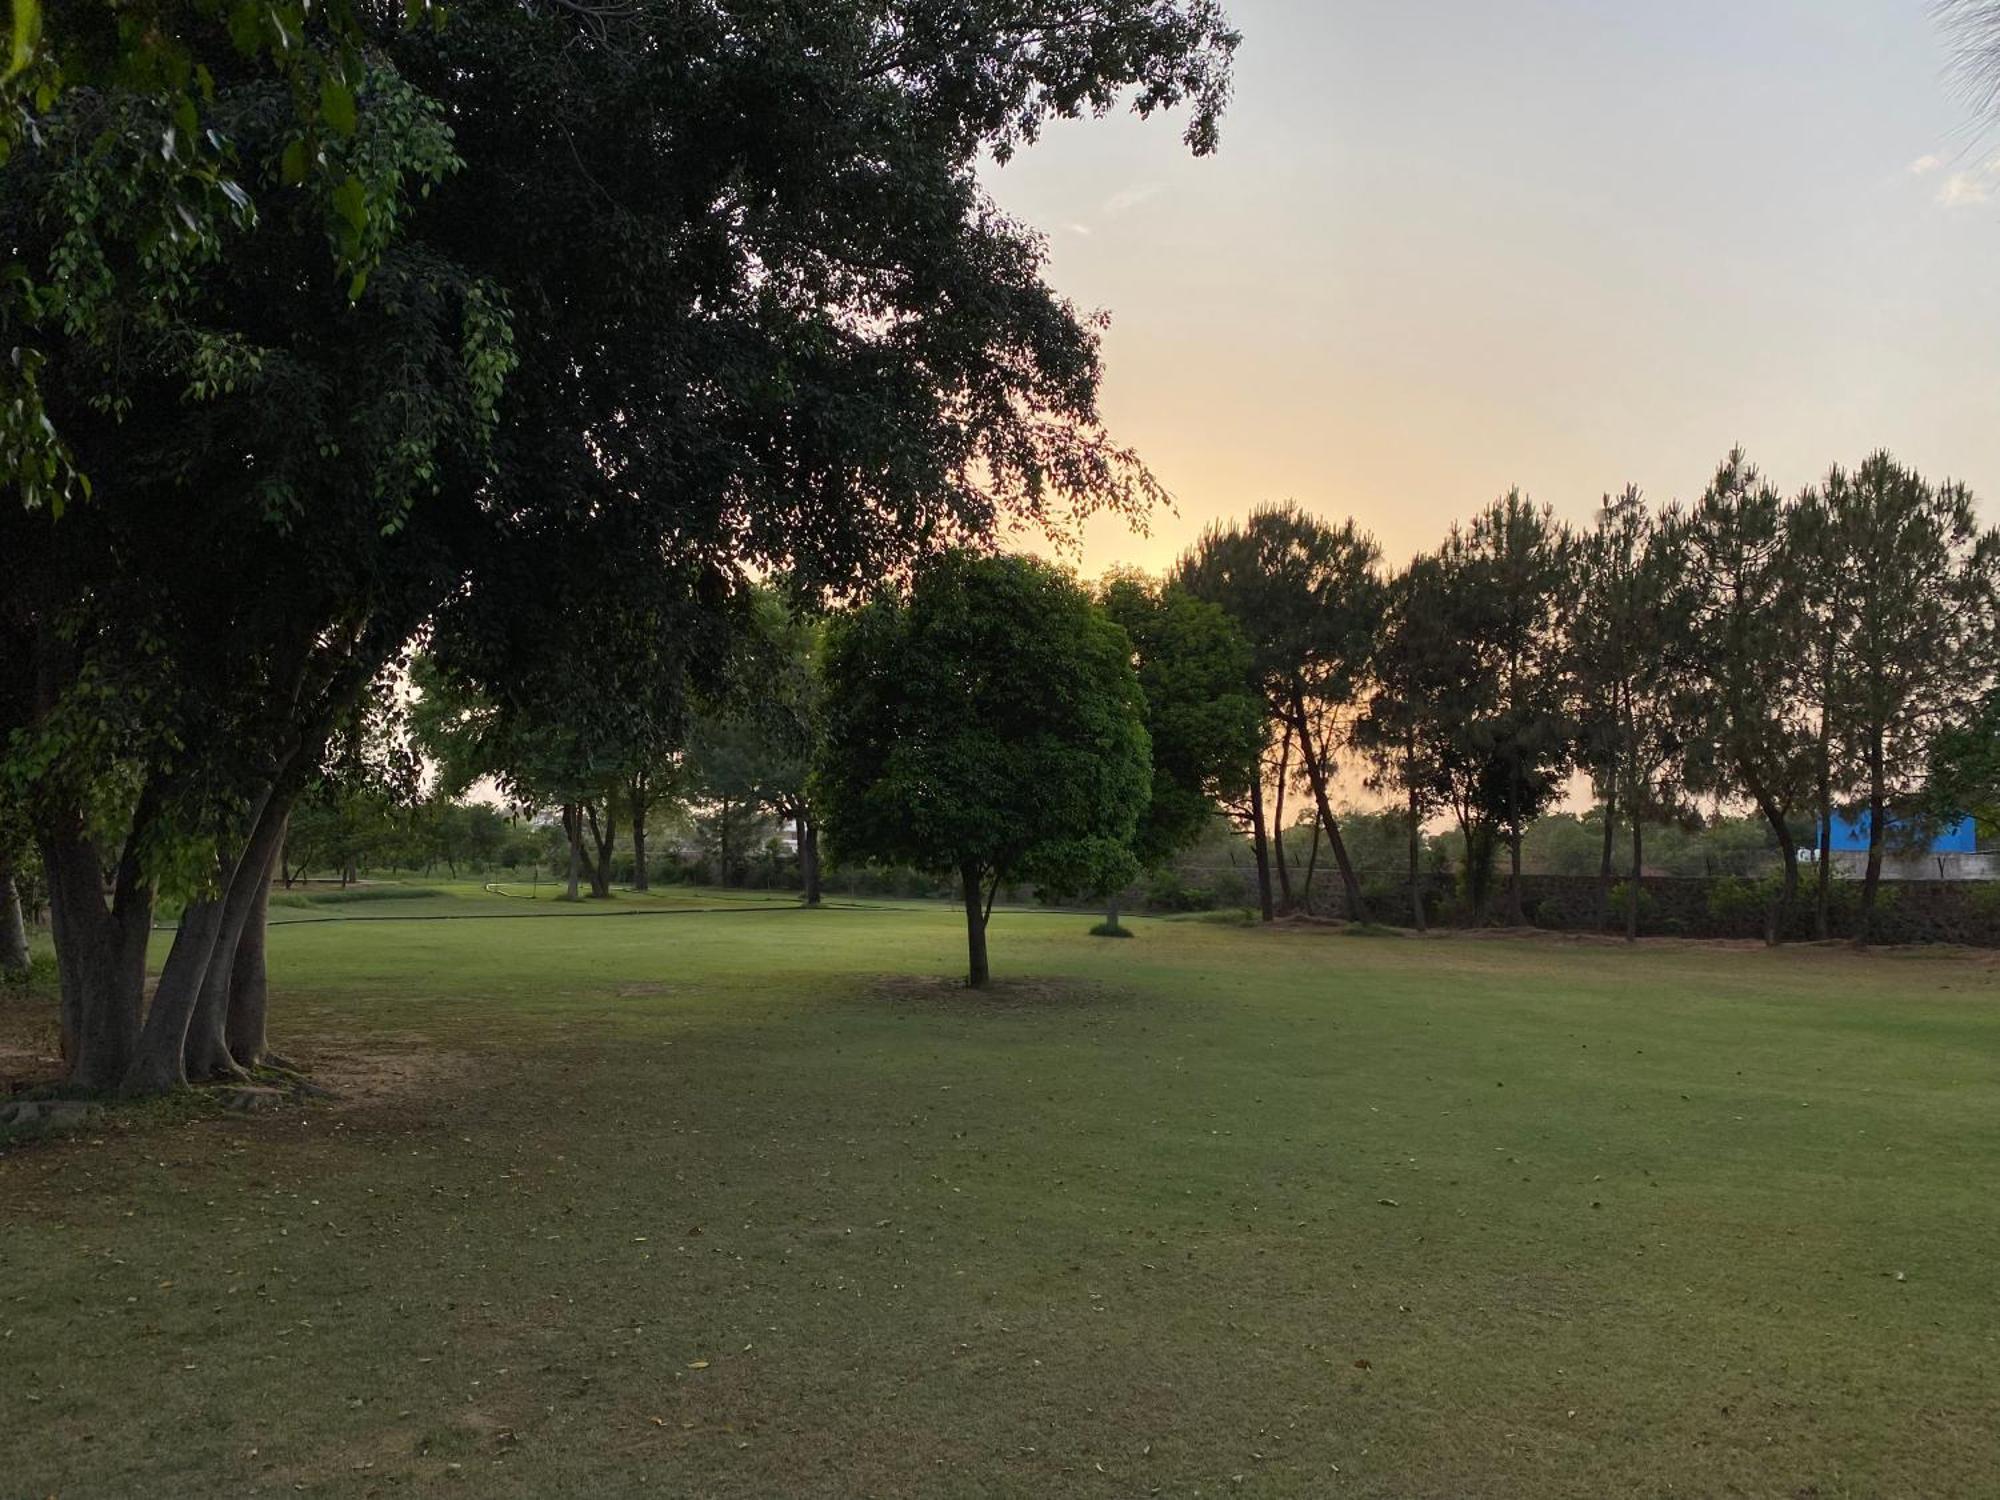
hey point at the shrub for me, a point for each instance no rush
(1621, 903)
(1166, 891)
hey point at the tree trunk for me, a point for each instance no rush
(1632, 890)
(1516, 913)
(573, 827)
(249, 989)
(1608, 857)
(1822, 884)
(604, 835)
(1261, 847)
(1823, 874)
(206, 1052)
(1286, 900)
(100, 953)
(1416, 864)
(159, 1061)
(1779, 914)
(205, 1055)
(1316, 774)
(808, 832)
(13, 926)
(722, 843)
(1864, 923)
(642, 879)
(1312, 870)
(977, 973)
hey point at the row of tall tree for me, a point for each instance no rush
(1801, 656)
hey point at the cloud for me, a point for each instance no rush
(1130, 198)
(1082, 229)
(1923, 166)
(1963, 189)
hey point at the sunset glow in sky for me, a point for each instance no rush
(1450, 246)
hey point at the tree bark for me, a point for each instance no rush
(13, 925)
(1822, 885)
(1864, 923)
(1607, 859)
(808, 832)
(206, 1051)
(1516, 914)
(1778, 915)
(642, 879)
(1316, 774)
(604, 835)
(249, 988)
(977, 973)
(1632, 889)
(159, 1061)
(573, 828)
(1312, 870)
(1286, 900)
(100, 952)
(1260, 846)
(1416, 864)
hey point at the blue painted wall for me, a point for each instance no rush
(1850, 835)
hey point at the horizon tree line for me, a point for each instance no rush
(1799, 656)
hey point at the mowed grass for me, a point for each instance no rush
(759, 1205)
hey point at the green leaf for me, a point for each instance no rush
(350, 201)
(293, 166)
(27, 33)
(336, 104)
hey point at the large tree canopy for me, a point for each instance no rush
(691, 289)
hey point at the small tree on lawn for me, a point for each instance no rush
(1203, 717)
(988, 725)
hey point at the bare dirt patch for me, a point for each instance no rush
(384, 1074)
(953, 993)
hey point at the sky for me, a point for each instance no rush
(1452, 246)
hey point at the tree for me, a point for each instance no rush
(194, 631)
(1307, 598)
(136, 86)
(1964, 772)
(1630, 632)
(753, 745)
(13, 925)
(1203, 719)
(785, 337)
(1427, 687)
(989, 725)
(1913, 641)
(1518, 559)
(1974, 29)
(1749, 648)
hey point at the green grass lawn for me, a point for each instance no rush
(756, 1204)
